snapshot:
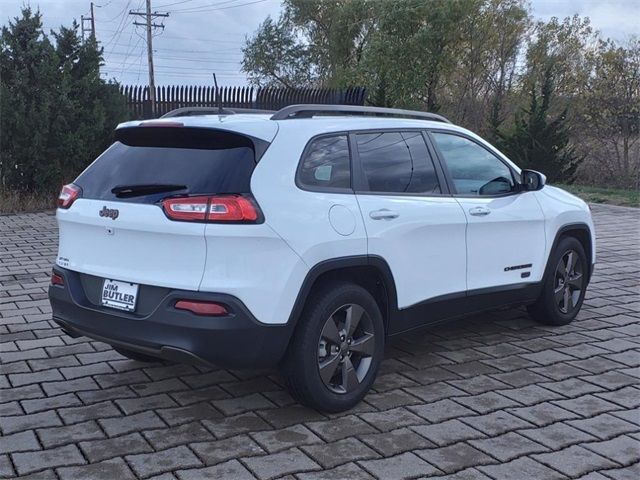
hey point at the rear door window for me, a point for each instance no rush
(200, 160)
(326, 164)
(397, 162)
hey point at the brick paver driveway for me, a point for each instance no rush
(492, 396)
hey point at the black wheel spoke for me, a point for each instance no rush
(349, 375)
(571, 262)
(559, 295)
(328, 367)
(575, 282)
(566, 301)
(364, 345)
(562, 269)
(330, 332)
(352, 319)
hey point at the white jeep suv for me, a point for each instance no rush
(305, 238)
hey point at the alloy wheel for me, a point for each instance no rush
(569, 281)
(346, 348)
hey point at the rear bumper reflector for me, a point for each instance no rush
(57, 279)
(210, 309)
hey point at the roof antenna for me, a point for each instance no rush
(218, 98)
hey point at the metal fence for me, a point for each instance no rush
(267, 98)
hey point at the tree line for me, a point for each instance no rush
(552, 95)
(56, 113)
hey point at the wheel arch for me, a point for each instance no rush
(582, 233)
(369, 271)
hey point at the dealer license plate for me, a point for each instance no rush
(120, 295)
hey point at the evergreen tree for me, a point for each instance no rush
(539, 142)
(90, 108)
(28, 71)
(56, 113)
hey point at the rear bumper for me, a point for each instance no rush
(237, 340)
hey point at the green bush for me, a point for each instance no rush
(56, 113)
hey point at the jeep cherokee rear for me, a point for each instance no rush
(256, 241)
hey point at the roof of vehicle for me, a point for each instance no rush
(309, 120)
(263, 127)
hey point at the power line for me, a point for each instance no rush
(200, 39)
(212, 52)
(121, 25)
(127, 56)
(211, 5)
(182, 59)
(189, 75)
(121, 63)
(215, 9)
(175, 3)
(119, 13)
(106, 4)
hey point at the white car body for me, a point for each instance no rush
(434, 246)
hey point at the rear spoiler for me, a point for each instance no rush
(167, 134)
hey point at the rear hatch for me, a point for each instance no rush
(118, 229)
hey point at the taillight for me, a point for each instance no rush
(211, 309)
(232, 208)
(187, 208)
(68, 195)
(216, 208)
(57, 279)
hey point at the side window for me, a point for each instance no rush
(326, 163)
(397, 162)
(473, 169)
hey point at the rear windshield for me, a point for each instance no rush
(202, 161)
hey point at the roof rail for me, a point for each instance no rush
(308, 111)
(191, 111)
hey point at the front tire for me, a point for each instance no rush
(334, 356)
(564, 286)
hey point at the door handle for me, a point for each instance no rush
(479, 211)
(383, 214)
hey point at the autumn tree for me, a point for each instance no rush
(491, 35)
(311, 43)
(610, 120)
(550, 93)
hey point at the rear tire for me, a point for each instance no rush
(138, 357)
(564, 285)
(335, 353)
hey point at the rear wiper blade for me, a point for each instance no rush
(124, 191)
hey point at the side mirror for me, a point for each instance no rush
(532, 180)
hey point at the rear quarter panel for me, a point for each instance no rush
(299, 216)
(302, 218)
(254, 264)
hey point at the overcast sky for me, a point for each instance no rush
(202, 36)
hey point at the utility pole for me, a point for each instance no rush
(150, 25)
(92, 25)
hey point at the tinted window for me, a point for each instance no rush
(473, 169)
(397, 162)
(207, 165)
(326, 163)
